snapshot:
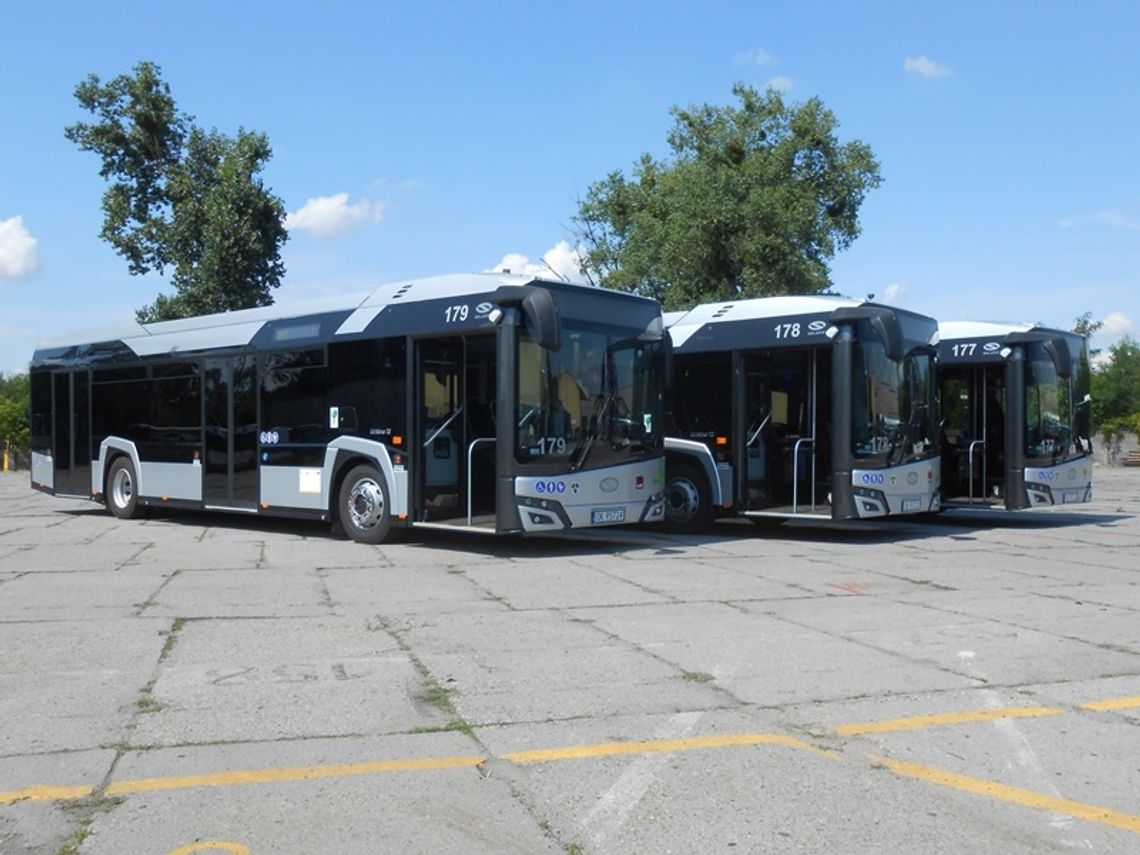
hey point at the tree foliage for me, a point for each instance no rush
(182, 197)
(1116, 386)
(755, 200)
(14, 405)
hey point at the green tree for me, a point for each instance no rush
(1116, 385)
(14, 404)
(182, 197)
(756, 200)
(1086, 326)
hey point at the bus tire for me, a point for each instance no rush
(688, 502)
(363, 505)
(122, 489)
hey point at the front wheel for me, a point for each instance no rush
(688, 500)
(363, 506)
(122, 489)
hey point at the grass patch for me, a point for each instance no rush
(171, 638)
(72, 844)
(456, 726)
(697, 677)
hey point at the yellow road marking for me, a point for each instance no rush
(1115, 704)
(44, 793)
(213, 846)
(545, 755)
(695, 743)
(297, 773)
(1016, 795)
(939, 719)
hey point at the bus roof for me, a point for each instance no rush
(682, 325)
(953, 330)
(317, 321)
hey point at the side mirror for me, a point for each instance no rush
(539, 310)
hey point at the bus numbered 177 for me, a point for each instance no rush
(1016, 420)
(807, 406)
(484, 402)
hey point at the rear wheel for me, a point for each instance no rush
(363, 506)
(122, 489)
(688, 500)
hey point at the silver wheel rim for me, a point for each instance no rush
(122, 488)
(682, 500)
(366, 504)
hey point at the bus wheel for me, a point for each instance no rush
(122, 489)
(363, 507)
(688, 508)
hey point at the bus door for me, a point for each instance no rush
(785, 404)
(973, 433)
(71, 444)
(456, 431)
(229, 472)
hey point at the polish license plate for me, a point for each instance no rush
(601, 516)
(910, 505)
(1068, 496)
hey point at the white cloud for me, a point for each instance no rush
(19, 257)
(1116, 325)
(333, 216)
(561, 259)
(892, 292)
(759, 56)
(924, 66)
(1118, 220)
(781, 83)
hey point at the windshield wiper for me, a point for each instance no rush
(600, 408)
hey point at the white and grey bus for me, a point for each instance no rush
(1015, 415)
(483, 402)
(801, 406)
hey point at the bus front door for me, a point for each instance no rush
(229, 471)
(784, 444)
(973, 433)
(455, 430)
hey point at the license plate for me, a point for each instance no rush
(1068, 496)
(601, 516)
(910, 505)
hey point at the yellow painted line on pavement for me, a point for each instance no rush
(1113, 704)
(297, 773)
(919, 722)
(1015, 795)
(694, 743)
(44, 793)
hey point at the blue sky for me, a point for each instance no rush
(421, 138)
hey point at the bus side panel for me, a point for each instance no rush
(181, 481)
(294, 487)
(43, 472)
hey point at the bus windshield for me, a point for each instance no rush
(1048, 409)
(892, 412)
(591, 403)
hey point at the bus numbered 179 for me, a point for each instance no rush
(806, 406)
(484, 402)
(1016, 420)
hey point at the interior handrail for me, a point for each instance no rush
(756, 433)
(441, 428)
(970, 464)
(796, 473)
(470, 480)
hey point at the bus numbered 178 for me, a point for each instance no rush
(806, 406)
(1016, 420)
(484, 402)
